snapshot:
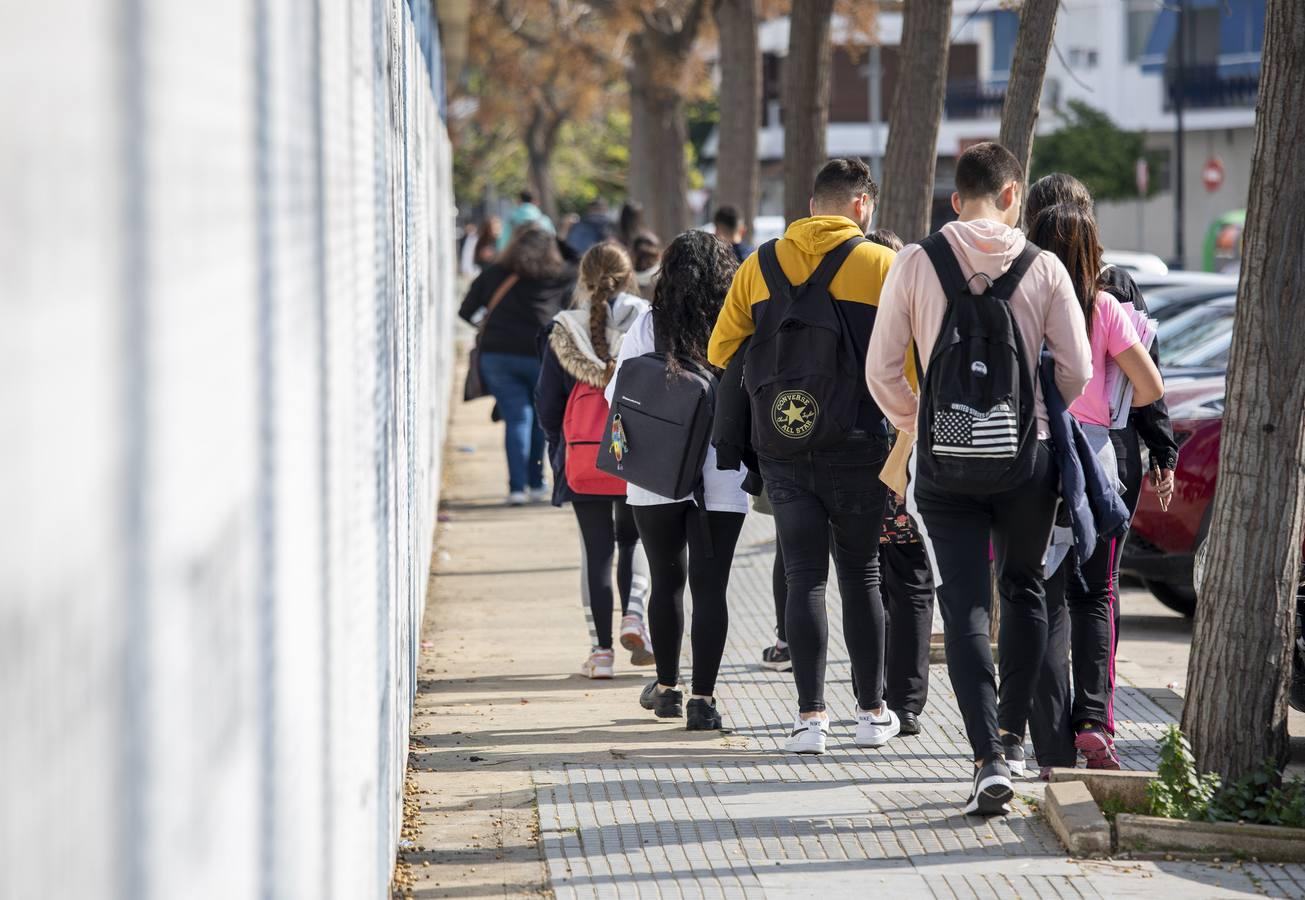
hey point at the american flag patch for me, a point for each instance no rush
(964, 431)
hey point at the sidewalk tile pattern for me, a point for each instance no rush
(759, 822)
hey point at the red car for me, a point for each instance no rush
(1162, 545)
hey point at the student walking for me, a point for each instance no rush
(808, 303)
(579, 352)
(728, 225)
(981, 471)
(1089, 591)
(511, 300)
(1149, 426)
(696, 273)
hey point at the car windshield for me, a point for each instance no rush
(1193, 327)
(1211, 353)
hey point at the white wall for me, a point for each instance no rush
(225, 344)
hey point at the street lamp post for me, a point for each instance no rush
(1180, 90)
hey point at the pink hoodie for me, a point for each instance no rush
(912, 304)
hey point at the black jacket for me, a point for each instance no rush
(1151, 423)
(731, 430)
(523, 312)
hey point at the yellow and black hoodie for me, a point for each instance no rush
(856, 287)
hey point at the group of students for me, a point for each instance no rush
(1003, 366)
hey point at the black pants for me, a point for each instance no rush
(956, 529)
(666, 531)
(1055, 708)
(779, 589)
(606, 526)
(822, 497)
(908, 600)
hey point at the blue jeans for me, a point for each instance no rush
(511, 378)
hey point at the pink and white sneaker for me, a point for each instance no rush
(635, 638)
(1096, 745)
(600, 664)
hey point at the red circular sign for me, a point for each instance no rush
(1212, 174)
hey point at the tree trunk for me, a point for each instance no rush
(1236, 710)
(659, 171)
(806, 102)
(906, 200)
(541, 141)
(1019, 112)
(740, 106)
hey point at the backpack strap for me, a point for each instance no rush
(1004, 287)
(776, 281)
(833, 261)
(945, 265)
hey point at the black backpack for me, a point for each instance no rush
(802, 373)
(977, 421)
(659, 427)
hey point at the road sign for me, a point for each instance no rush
(1212, 174)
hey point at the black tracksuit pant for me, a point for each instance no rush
(908, 600)
(956, 530)
(1055, 707)
(823, 497)
(606, 527)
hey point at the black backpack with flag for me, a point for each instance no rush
(978, 429)
(659, 426)
(801, 372)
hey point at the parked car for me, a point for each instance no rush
(1135, 263)
(1194, 326)
(1178, 278)
(1207, 359)
(1166, 302)
(1165, 548)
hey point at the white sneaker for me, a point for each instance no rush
(635, 638)
(540, 495)
(875, 731)
(600, 664)
(808, 735)
(517, 498)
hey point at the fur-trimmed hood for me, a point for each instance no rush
(569, 338)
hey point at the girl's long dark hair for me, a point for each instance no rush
(1055, 188)
(532, 254)
(697, 269)
(1070, 232)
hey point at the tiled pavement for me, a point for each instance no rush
(744, 819)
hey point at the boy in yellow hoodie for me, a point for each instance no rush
(833, 492)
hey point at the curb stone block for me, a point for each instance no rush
(1126, 788)
(1076, 819)
(1148, 835)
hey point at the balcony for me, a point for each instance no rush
(1213, 87)
(973, 99)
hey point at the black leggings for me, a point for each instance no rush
(779, 587)
(666, 530)
(606, 524)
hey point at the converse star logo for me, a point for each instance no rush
(794, 413)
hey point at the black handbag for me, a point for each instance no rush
(474, 388)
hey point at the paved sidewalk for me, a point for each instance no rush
(630, 806)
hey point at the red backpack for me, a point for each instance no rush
(584, 428)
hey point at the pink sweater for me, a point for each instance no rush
(912, 304)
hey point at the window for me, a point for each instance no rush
(1141, 16)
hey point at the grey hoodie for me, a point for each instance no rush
(912, 304)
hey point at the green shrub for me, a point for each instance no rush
(1181, 792)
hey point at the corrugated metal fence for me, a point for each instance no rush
(225, 319)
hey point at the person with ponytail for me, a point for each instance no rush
(579, 349)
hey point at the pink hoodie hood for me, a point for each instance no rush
(984, 246)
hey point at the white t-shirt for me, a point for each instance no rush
(723, 487)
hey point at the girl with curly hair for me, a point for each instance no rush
(579, 356)
(696, 273)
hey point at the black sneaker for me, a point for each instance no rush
(992, 790)
(1012, 746)
(777, 658)
(665, 705)
(646, 695)
(702, 715)
(910, 724)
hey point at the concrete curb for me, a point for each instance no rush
(1126, 789)
(1076, 819)
(1151, 836)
